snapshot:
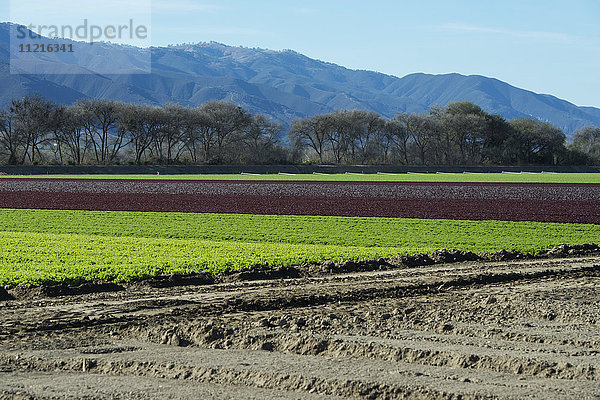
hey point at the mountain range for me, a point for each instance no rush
(281, 84)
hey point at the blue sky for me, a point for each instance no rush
(550, 46)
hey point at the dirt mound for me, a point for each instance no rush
(444, 256)
(174, 280)
(33, 291)
(579, 249)
(506, 255)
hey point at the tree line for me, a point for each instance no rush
(34, 130)
(458, 134)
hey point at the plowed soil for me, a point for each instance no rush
(526, 329)
(574, 203)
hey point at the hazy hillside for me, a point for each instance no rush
(282, 84)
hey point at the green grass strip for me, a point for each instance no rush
(458, 178)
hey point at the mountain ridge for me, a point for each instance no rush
(281, 84)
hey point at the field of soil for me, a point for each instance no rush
(520, 329)
(574, 203)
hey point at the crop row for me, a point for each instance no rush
(321, 230)
(410, 177)
(43, 258)
(48, 246)
(514, 202)
(396, 190)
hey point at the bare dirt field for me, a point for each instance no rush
(488, 329)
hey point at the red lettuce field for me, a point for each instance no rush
(577, 203)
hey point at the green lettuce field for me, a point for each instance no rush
(45, 246)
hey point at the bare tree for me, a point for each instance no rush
(194, 122)
(423, 131)
(340, 133)
(141, 123)
(100, 121)
(370, 126)
(12, 140)
(33, 124)
(397, 133)
(71, 134)
(312, 132)
(226, 121)
(168, 141)
(261, 139)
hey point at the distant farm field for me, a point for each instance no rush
(76, 230)
(540, 202)
(416, 177)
